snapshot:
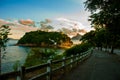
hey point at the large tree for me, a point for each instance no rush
(106, 13)
(98, 38)
(89, 37)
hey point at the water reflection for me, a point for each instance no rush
(13, 54)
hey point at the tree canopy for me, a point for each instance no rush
(105, 14)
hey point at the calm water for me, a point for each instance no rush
(16, 53)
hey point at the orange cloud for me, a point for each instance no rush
(48, 20)
(82, 31)
(17, 30)
(26, 22)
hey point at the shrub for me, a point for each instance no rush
(77, 49)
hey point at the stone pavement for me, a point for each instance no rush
(100, 66)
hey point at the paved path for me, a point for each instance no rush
(100, 66)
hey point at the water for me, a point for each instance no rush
(13, 54)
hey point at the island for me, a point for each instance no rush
(45, 39)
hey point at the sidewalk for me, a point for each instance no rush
(100, 66)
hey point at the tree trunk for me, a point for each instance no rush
(101, 48)
(98, 48)
(112, 50)
(106, 48)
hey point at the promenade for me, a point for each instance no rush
(100, 66)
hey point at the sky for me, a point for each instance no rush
(39, 10)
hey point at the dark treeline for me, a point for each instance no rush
(105, 18)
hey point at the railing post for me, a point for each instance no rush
(49, 70)
(91, 51)
(87, 55)
(77, 58)
(22, 73)
(71, 61)
(82, 57)
(64, 65)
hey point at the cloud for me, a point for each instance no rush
(70, 26)
(71, 23)
(48, 20)
(2, 22)
(26, 22)
(17, 29)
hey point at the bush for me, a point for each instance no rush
(77, 49)
(58, 57)
(38, 56)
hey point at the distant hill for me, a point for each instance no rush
(77, 37)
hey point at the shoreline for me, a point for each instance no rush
(45, 46)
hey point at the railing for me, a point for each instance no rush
(48, 68)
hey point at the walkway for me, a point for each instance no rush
(100, 66)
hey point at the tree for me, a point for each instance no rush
(106, 13)
(89, 37)
(99, 38)
(102, 38)
(4, 32)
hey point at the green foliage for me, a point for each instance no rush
(77, 49)
(4, 32)
(100, 37)
(42, 38)
(16, 65)
(107, 16)
(58, 57)
(38, 56)
(89, 37)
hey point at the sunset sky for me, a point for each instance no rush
(38, 10)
